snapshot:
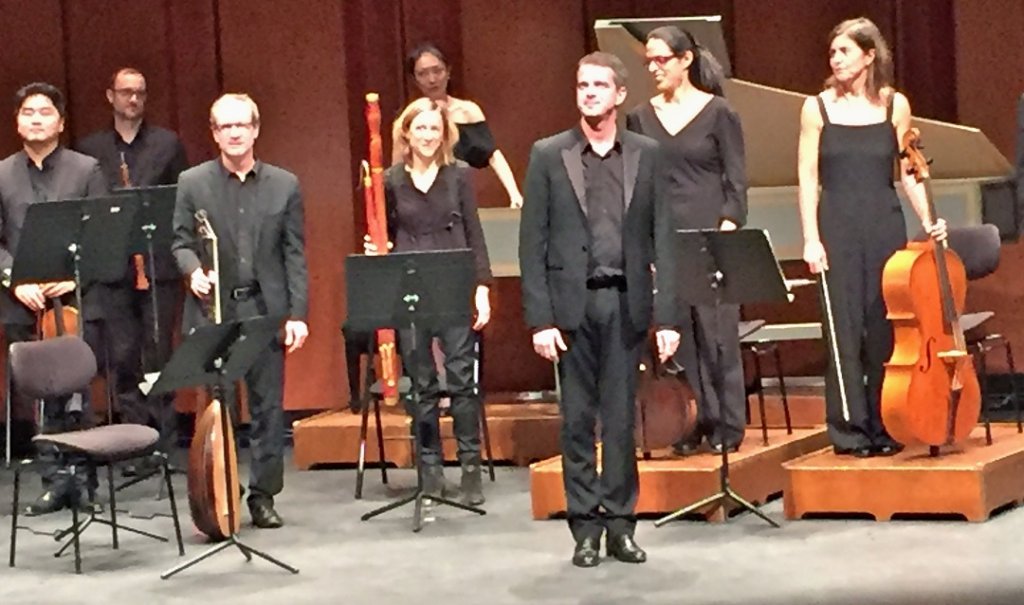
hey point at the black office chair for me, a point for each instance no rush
(978, 247)
(57, 368)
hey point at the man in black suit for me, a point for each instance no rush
(43, 171)
(592, 227)
(255, 210)
(135, 153)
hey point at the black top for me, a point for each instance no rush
(443, 218)
(704, 164)
(476, 144)
(42, 178)
(602, 176)
(239, 200)
(154, 157)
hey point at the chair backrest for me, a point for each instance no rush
(978, 247)
(51, 368)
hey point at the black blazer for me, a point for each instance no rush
(161, 159)
(280, 263)
(77, 176)
(554, 238)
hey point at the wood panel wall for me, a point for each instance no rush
(309, 64)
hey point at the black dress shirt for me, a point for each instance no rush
(605, 195)
(154, 157)
(239, 200)
(43, 178)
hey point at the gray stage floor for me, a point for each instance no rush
(507, 558)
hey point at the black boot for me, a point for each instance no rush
(433, 480)
(472, 482)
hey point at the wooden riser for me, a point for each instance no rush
(520, 433)
(668, 482)
(970, 481)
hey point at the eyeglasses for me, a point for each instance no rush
(660, 60)
(128, 93)
(229, 126)
(436, 70)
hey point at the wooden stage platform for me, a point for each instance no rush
(521, 432)
(669, 482)
(970, 482)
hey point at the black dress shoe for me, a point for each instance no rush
(887, 449)
(587, 553)
(687, 447)
(717, 449)
(856, 452)
(264, 516)
(625, 549)
(48, 502)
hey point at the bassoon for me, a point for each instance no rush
(377, 230)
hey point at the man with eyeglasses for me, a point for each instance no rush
(255, 209)
(43, 171)
(135, 153)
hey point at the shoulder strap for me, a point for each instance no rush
(821, 108)
(888, 108)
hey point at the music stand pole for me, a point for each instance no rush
(238, 346)
(740, 268)
(434, 288)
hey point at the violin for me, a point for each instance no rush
(930, 393)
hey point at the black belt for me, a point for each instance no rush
(245, 292)
(602, 282)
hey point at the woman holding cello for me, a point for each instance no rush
(852, 223)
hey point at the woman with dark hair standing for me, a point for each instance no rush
(430, 69)
(431, 206)
(853, 222)
(706, 184)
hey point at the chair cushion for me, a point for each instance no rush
(52, 367)
(108, 443)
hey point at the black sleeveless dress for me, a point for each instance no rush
(861, 224)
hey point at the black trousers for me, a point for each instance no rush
(60, 415)
(710, 354)
(357, 344)
(149, 355)
(857, 257)
(264, 384)
(598, 377)
(459, 358)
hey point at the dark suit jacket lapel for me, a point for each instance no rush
(573, 160)
(630, 170)
(22, 182)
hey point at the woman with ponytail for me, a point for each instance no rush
(706, 185)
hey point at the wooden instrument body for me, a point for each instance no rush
(58, 321)
(212, 458)
(918, 383)
(666, 411)
(208, 493)
(377, 230)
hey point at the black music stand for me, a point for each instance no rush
(79, 239)
(725, 267)
(151, 231)
(218, 355)
(412, 291)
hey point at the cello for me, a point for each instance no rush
(666, 411)
(930, 393)
(213, 498)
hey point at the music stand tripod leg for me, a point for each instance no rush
(229, 480)
(418, 496)
(725, 493)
